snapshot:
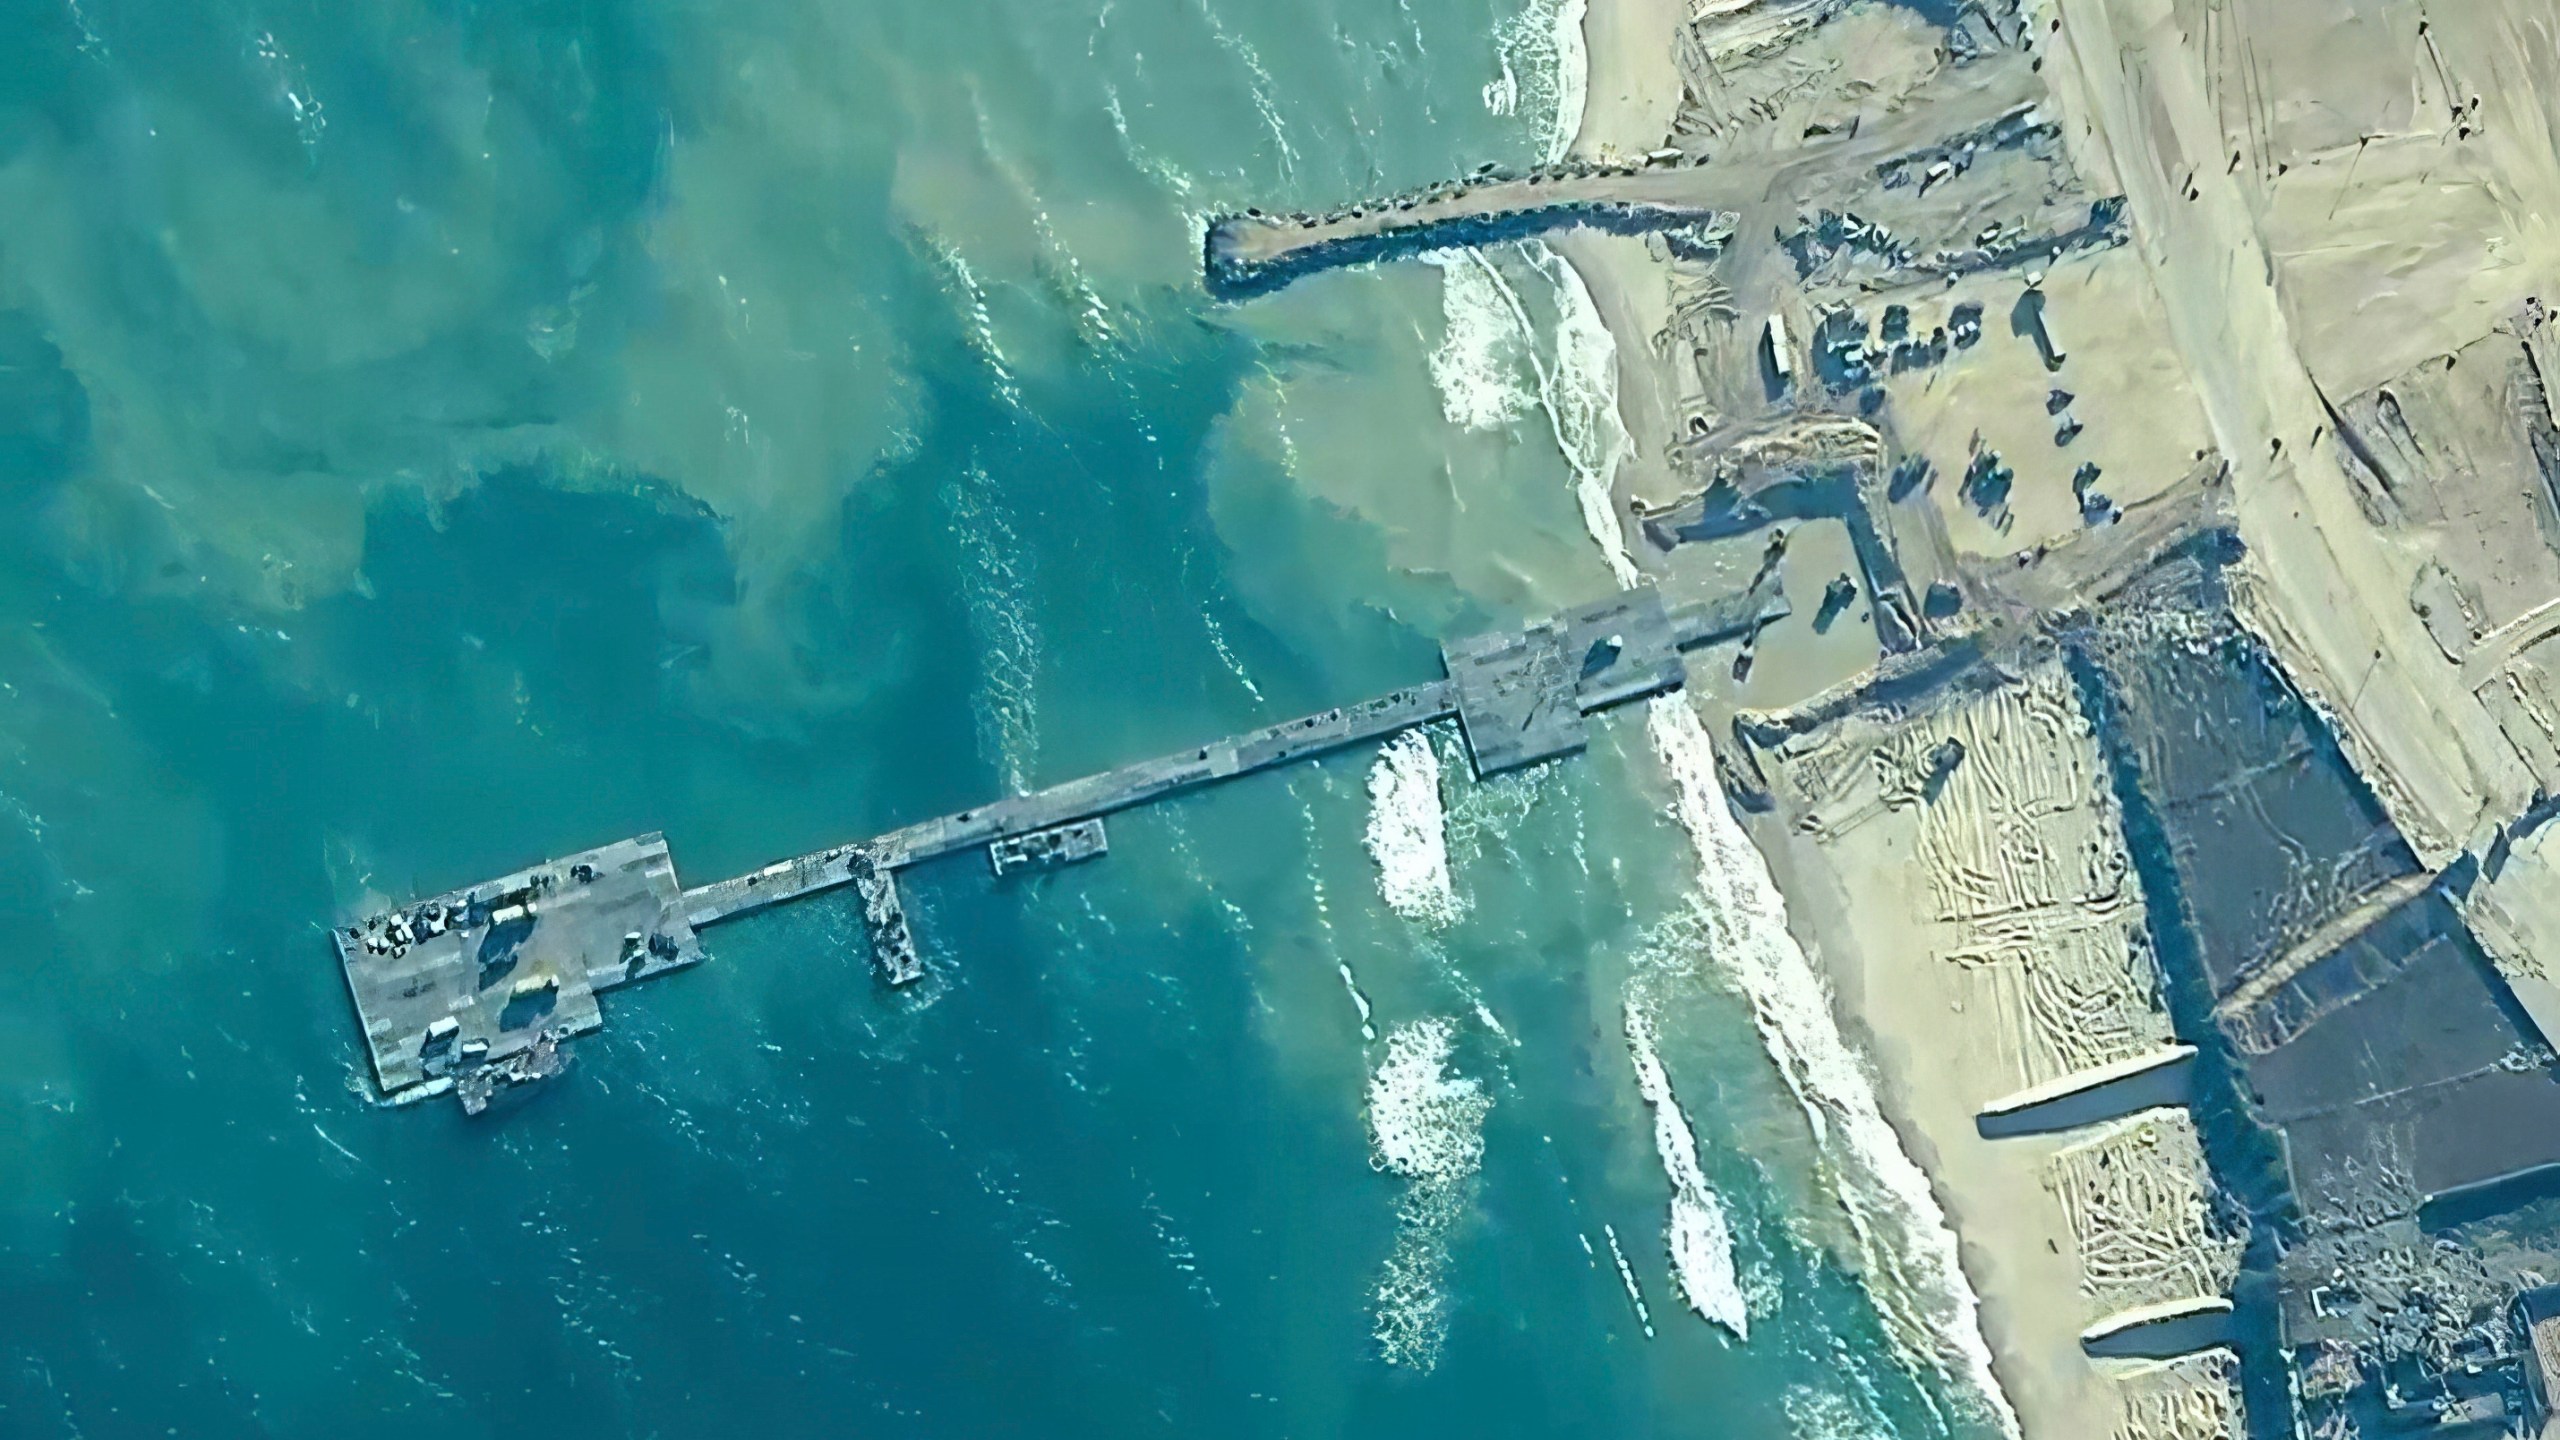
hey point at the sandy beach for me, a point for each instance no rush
(1953, 997)
(2146, 410)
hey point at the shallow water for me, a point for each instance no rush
(435, 438)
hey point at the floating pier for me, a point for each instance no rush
(472, 992)
(1063, 845)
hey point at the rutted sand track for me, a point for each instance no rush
(1998, 923)
(2139, 1199)
(2023, 866)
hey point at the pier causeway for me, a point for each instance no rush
(1255, 253)
(471, 992)
(1691, 199)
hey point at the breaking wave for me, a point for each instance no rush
(1408, 831)
(1626, 1277)
(1424, 1123)
(1477, 364)
(1359, 1001)
(1700, 1240)
(1580, 397)
(1502, 93)
(1909, 1253)
(1545, 70)
(1578, 392)
(1427, 1126)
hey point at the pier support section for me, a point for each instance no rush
(1524, 696)
(884, 915)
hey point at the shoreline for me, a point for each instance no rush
(2016, 1278)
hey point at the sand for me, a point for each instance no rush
(1971, 965)
(2267, 320)
(2334, 215)
(1992, 948)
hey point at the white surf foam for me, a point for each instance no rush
(1545, 70)
(1427, 1126)
(1409, 1310)
(1424, 1123)
(1408, 835)
(1578, 392)
(1477, 363)
(1573, 77)
(1359, 1001)
(1484, 816)
(1699, 1238)
(1578, 395)
(1627, 1277)
(996, 589)
(1909, 1253)
(1580, 398)
(1502, 92)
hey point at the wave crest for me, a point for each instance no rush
(1699, 1238)
(1909, 1253)
(1476, 366)
(1427, 1126)
(1408, 831)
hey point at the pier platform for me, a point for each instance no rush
(1048, 849)
(474, 988)
(472, 991)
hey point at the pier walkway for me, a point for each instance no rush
(1092, 796)
(471, 992)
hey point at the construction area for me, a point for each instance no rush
(2157, 395)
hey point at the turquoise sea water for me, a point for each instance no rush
(437, 436)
